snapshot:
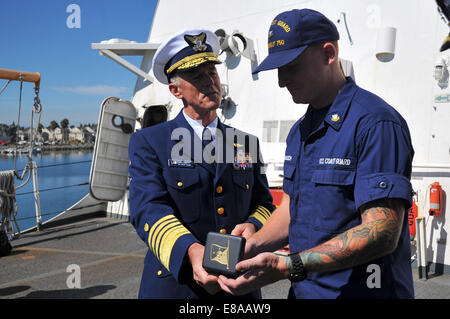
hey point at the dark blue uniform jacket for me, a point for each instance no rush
(176, 200)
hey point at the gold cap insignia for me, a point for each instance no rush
(197, 42)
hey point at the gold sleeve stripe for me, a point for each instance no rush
(155, 230)
(261, 213)
(264, 211)
(162, 237)
(164, 227)
(170, 238)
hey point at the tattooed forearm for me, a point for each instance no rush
(376, 236)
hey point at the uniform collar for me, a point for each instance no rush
(182, 120)
(198, 127)
(338, 110)
(190, 153)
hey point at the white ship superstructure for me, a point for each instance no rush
(391, 48)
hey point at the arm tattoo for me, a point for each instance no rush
(377, 235)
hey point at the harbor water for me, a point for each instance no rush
(63, 179)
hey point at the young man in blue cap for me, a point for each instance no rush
(180, 192)
(346, 179)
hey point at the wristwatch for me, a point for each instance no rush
(297, 271)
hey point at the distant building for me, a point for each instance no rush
(48, 135)
(58, 135)
(23, 136)
(62, 135)
(83, 134)
(76, 135)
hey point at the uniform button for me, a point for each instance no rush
(223, 231)
(219, 189)
(382, 185)
(220, 210)
(146, 227)
(247, 186)
(180, 184)
(159, 272)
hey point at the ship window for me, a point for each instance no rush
(270, 131)
(285, 127)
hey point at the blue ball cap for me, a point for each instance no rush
(291, 32)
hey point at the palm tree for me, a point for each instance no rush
(64, 123)
(53, 125)
(64, 130)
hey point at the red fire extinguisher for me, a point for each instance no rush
(435, 199)
(412, 215)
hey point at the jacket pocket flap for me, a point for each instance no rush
(333, 177)
(243, 179)
(181, 178)
(289, 169)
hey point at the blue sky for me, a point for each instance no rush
(35, 37)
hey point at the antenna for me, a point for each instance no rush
(344, 17)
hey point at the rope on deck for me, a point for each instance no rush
(8, 209)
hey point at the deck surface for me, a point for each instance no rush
(110, 256)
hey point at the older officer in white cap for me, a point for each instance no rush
(175, 202)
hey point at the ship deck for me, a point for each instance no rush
(110, 256)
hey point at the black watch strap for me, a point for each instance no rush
(297, 273)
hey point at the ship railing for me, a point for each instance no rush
(36, 191)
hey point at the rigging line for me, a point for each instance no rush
(54, 188)
(60, 164)
(8, 204)
(18, 119)
(4, 87)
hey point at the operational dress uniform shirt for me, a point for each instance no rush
(176, 202)
(360, 152)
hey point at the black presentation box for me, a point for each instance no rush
(222, 253)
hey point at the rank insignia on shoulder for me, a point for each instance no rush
(180, 163)
(335, 117)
